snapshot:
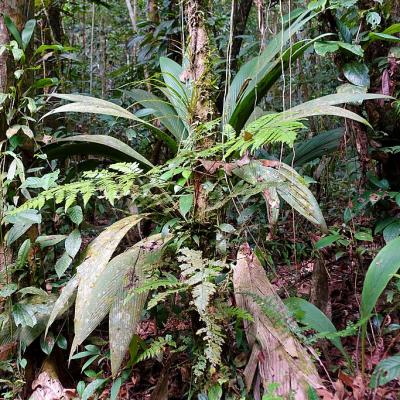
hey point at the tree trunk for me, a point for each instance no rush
(200, 69)
(132, 13)
(241, 13)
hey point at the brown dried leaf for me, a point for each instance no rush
(281, 358)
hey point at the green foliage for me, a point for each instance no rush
(156, 348)
(313, 318)
(387, 370)
(111, 183)
(199, 274)
(265, 130)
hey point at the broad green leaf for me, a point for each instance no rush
(357, 73)
(90, 273)
(62, 264)
(8, 290)
(185, 204)
(92, 387)
(177, 92)
(316, 147)
(23, 315)
(364, 236)
(383, 36)
(47, 343)
(23, 253)
(75, 214)
(327, 241)
(392, 231)
(162, 111)
(44, 82)
(16, 232)
(386, 371)
(315, 319)
(379, 273)
(352, 48)
(73, 243)
(325, 47)
(49, 240)
(27, 33)
(52, 47)
(116, 386)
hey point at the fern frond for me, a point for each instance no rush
(199, 274)
(156, 348)
(160, 297)
(225, 311)
(111, 184)
(265, 130)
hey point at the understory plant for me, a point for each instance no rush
(189, 218)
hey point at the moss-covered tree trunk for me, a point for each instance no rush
(200, 70)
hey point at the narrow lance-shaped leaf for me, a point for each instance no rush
(314, 318)
(380, 272)
(162, 111)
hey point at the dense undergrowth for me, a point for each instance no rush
(184, 219)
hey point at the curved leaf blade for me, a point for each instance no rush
(108, 141)
(91, 270)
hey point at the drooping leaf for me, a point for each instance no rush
(289, 185)
(126, 310)
(316, 147)
(257, 76)
(108, 142)
(88, 104)
(64, 301)
(91, 270)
